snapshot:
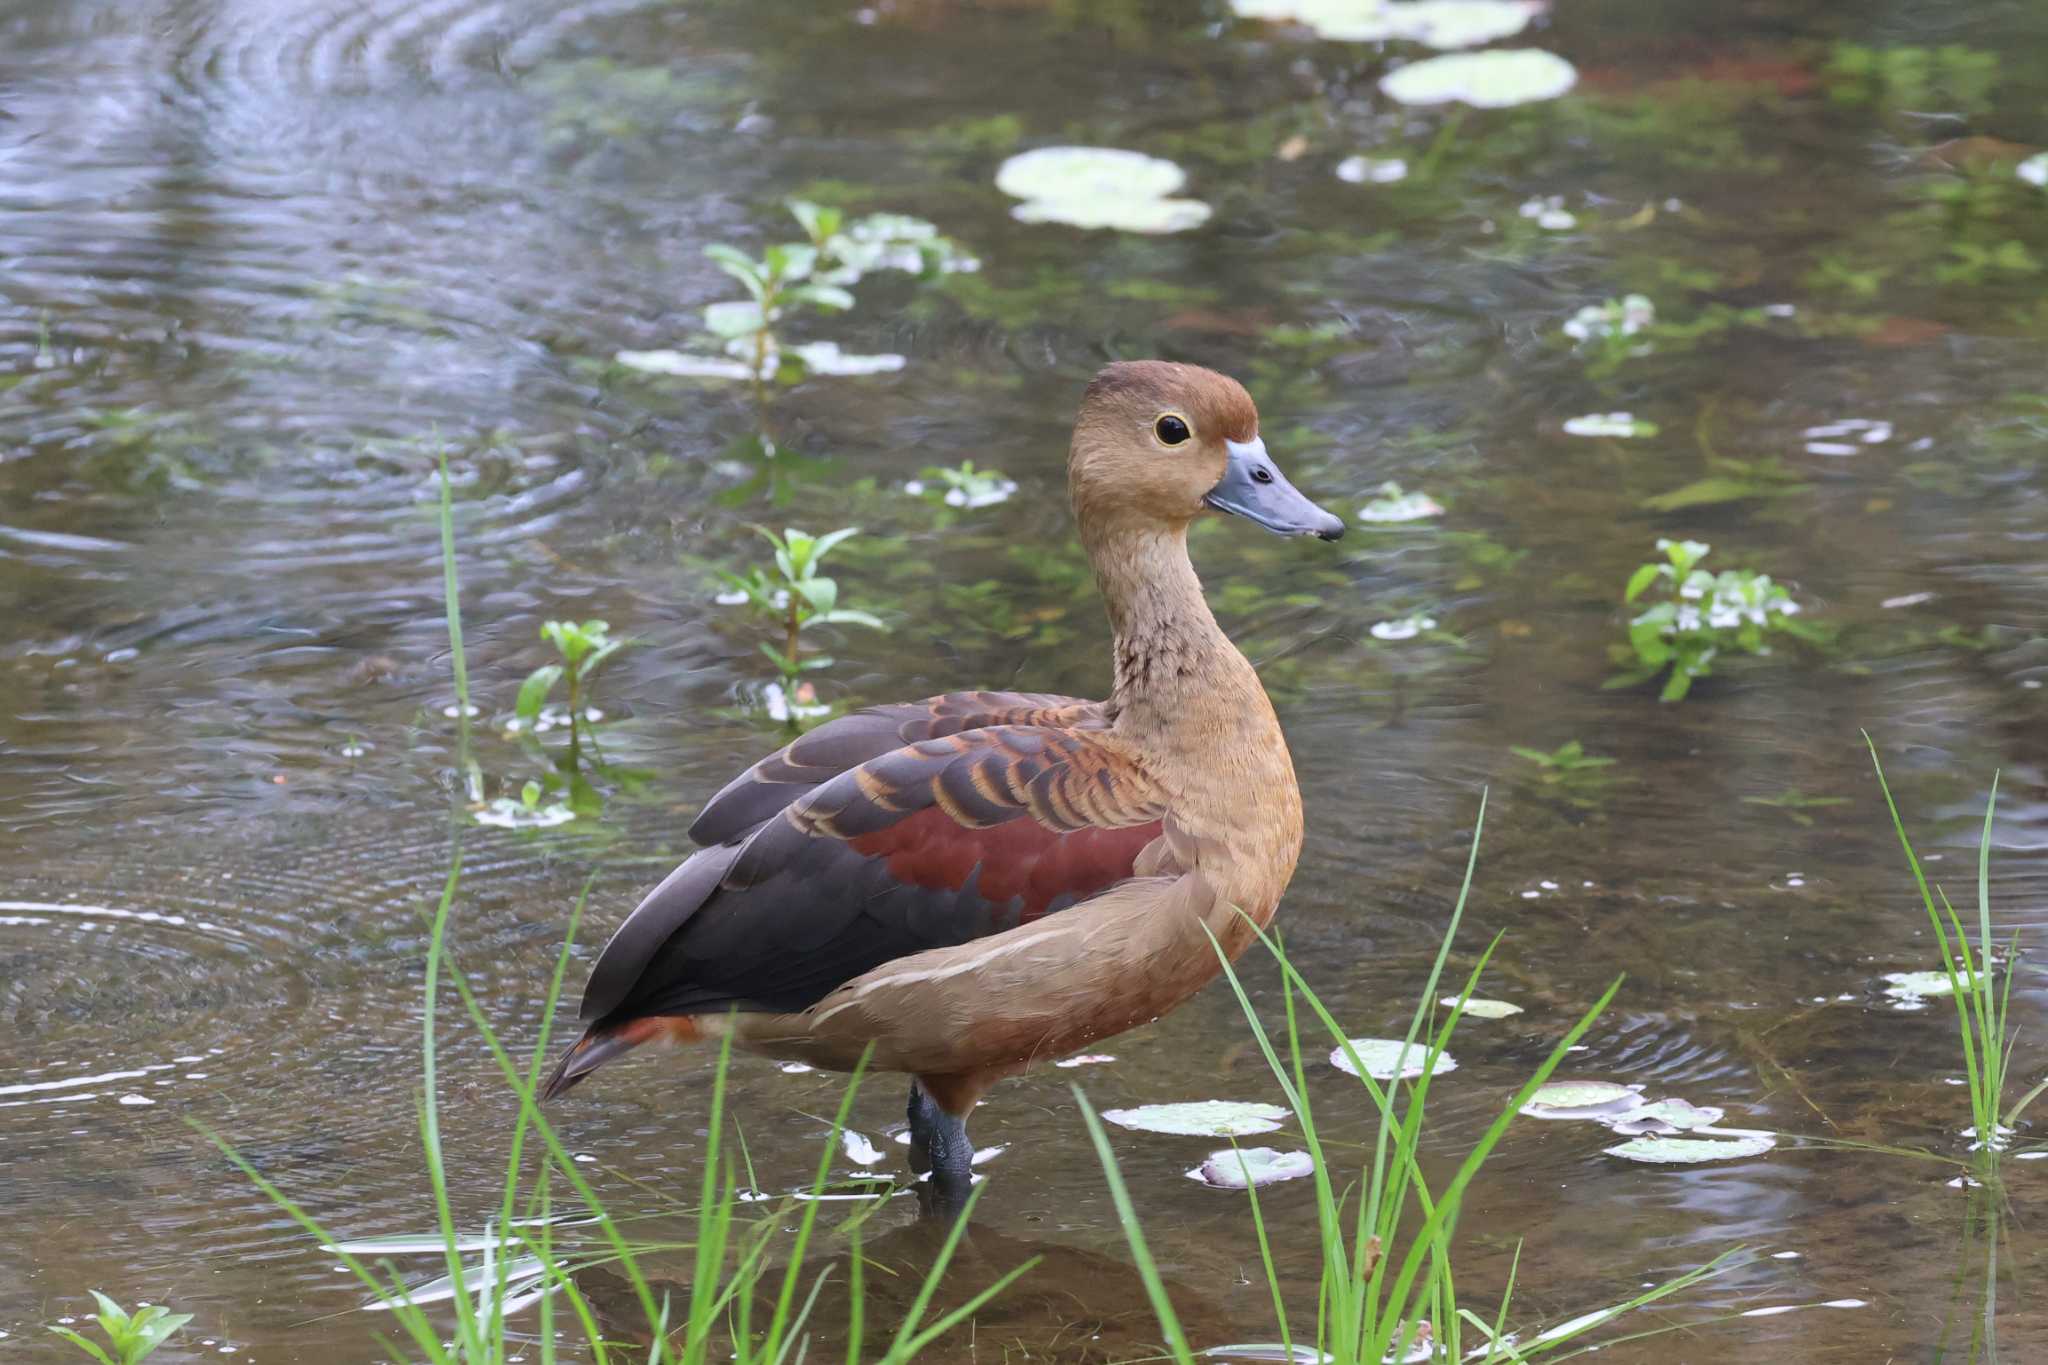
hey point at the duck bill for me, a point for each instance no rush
(1253, 487)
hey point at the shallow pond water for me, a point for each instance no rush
(260, 261)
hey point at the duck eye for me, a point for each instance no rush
(1171, 430)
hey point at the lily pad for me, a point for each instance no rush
(1583, 1100)
(1201, 1118)
(1679, 1151)
(1153, 216)
(1099, 187)
(1479, 1007)
(1235, 1168)
(1057, 172)
(1382, 1057)
(1666, 1117)
(1393, 505)
(1917, 985)
(1484, 80)
(1439, 23)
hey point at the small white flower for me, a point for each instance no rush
(1688, 618)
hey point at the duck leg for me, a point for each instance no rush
(919, 1112)
(940, 1150)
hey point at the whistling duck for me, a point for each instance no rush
(981, 880)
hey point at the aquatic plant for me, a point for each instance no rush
(790, 594)
(1909, 77)
(1379, 1298)
(736, 1307)
(583, 647)
(1569, 757)
(962, 486)
(1981, 1007)
(132, 1337)
(817, 275)
(1700, 616)
(1607, 331)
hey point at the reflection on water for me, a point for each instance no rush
(266, 261)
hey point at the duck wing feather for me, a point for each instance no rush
(963, 833)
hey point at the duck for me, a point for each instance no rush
(960, 887)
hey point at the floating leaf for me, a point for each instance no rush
(1582, 1100)
(1056, 172)
(1235, 1168)
(1619, 424)
(1099, 187)
(1917, 985)
(1154, 216)
(1382, 1057)
(1439, 23)
(1201, 1118)
(1676, 1151)
(1403, 628)
(1484, 80)
(1666, 1117)
(1479, 1007)
(825, 357)
(684, 365)
(1393, 505)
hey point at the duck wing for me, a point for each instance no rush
(822, 754)
(932, 843)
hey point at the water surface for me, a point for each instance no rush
(262, 260)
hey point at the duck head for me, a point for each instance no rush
(1158, 444)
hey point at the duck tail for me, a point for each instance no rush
(600, 1043)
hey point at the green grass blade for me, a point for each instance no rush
(1155, 1288)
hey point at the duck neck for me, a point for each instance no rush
(1173, 663)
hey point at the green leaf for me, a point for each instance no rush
(789, 261)
(827, 296)
(1634, 677)
(741, 267)
(821, 593)
(1641, 579)
(735, 318)
(847, 616)
(530, 794)
(1715, 488)
(533, 693)
(90, 1348)
(584, 799)
(1676, 686)
(598, 656)
(827, 541)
